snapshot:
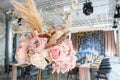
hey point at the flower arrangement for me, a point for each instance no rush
(42, 49)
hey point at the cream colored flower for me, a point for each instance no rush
(39, 59)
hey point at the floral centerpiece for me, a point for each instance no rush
(42, 49)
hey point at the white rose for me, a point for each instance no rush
(39, 60)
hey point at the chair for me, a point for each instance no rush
(106, 59)
(10, 69)
(105, 68)
(105, 64)
(103, 72)
(103, 61)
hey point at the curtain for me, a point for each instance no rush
(74, 41)
(110, 45)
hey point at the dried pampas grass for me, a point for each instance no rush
(29, 13)
(68, 23)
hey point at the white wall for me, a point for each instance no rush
(2, 54)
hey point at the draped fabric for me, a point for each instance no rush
(14, 72)
(110, 45)
(84, 72)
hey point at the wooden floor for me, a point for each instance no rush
(114, 75)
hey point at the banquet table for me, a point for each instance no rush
(14, 69)
(84, 69)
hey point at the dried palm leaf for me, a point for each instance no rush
(62, 38)
(53, 40)
(44, 35)
(29, 13)
(68, 22)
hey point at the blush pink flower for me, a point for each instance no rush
(68, 42)
(56, 67)
(22, 49)
(61, 65)
(65, 67)
(72, 60)
(37, 44)
(56, 53)
(20, 55)
(65, 48)
(24, 42)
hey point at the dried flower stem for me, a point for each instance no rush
(29, 13)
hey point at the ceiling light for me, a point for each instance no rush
(117, 15)
(114, 24)
(87, 8)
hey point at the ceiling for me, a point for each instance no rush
(53, 12)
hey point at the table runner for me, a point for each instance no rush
(84, 72)
(14, 72)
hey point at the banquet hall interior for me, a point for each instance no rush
(59, 39)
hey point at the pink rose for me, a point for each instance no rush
(68, 42)
(22, 49)
(37, 44)
(72, 61)
(24, 41)
(61, 65)
(56, 67)
(56, 52)
(65, 66)
(20, 55)
(65, 48)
